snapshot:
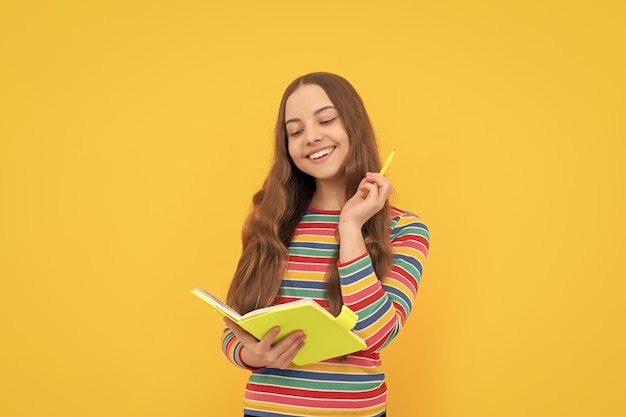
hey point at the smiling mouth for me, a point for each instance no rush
(323, 152)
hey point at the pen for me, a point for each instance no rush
(387, 162)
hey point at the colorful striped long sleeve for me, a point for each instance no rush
(354, 385)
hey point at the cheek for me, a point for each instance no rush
(294, 153)
(341, 134)
(291, 149)
(343, 138)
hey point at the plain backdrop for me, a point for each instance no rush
(134, 133)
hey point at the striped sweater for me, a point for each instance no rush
(355, 385)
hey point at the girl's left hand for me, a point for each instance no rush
(260, 353)
(368, 200)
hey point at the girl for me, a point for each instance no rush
(322, 227)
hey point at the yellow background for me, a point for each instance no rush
(133, 134)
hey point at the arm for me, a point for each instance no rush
(382, 305)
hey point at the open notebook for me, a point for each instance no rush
(327, 336)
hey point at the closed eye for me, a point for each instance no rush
(328, 121)
(294, 134)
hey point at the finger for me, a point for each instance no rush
(385, 189)
(241, 335)
(287, 356)
(361, 190)
(382, 183)
(233, 326)
(369, 190)
(287, 342)
(268, 339)
(291, 338)
(230, 323)
(376, 178)
(367, 181)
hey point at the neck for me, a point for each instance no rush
(328, 196)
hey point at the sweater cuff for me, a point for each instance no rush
(241, 363)
(358, 258)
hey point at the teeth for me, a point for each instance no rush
(321, 153)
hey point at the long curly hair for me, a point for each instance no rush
(279, 205)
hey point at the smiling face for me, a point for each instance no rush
(317, 140)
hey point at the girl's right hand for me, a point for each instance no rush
(260, 353)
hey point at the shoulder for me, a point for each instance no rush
(404, 223)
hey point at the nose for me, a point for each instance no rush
(312, 135)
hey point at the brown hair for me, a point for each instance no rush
(287, 192)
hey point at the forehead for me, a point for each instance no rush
(305, 101)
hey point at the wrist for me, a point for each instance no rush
(346, 228)
(248, 361)
(351, 241)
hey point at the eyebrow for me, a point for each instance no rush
(315, 113)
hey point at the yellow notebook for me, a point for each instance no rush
(327, 336)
